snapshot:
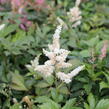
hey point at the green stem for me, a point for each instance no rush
(60, 85)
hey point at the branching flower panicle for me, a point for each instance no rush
(74, 14)
(57, 60)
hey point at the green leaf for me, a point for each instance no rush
(42, 84)
(99, 46)
(88, 88)
(6, 103)
(81, 79)
(34, 107)
(75, 62)
(107, 77)
(42, 99)
(91, 101)
(103, 85)
(64, 90)
(50, 80)
(85, 53)
(103, 104)
(49, 105)
(93, 41)
(86, 27)
(54, 94)
(86, 106)
(8, 30)
(15, 106)
(18, 82)
(69, 104)
(75, 108)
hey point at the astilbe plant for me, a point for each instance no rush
(57, 61)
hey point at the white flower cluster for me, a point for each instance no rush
(57, 60)
(75, 14)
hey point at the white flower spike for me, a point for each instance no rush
(76, 71)
(57, 60)
(64, 77)
(75, 14)
(67, 77)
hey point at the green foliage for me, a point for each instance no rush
(95, 104)
(49, 104)
(103, 104)
(15, 106)
(18, 82)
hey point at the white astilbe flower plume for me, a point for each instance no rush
(64, 77)
(57, 60)
(56, 55)
(67, 77)
(74, 14)
(76, 71)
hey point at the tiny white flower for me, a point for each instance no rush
(2, 26)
